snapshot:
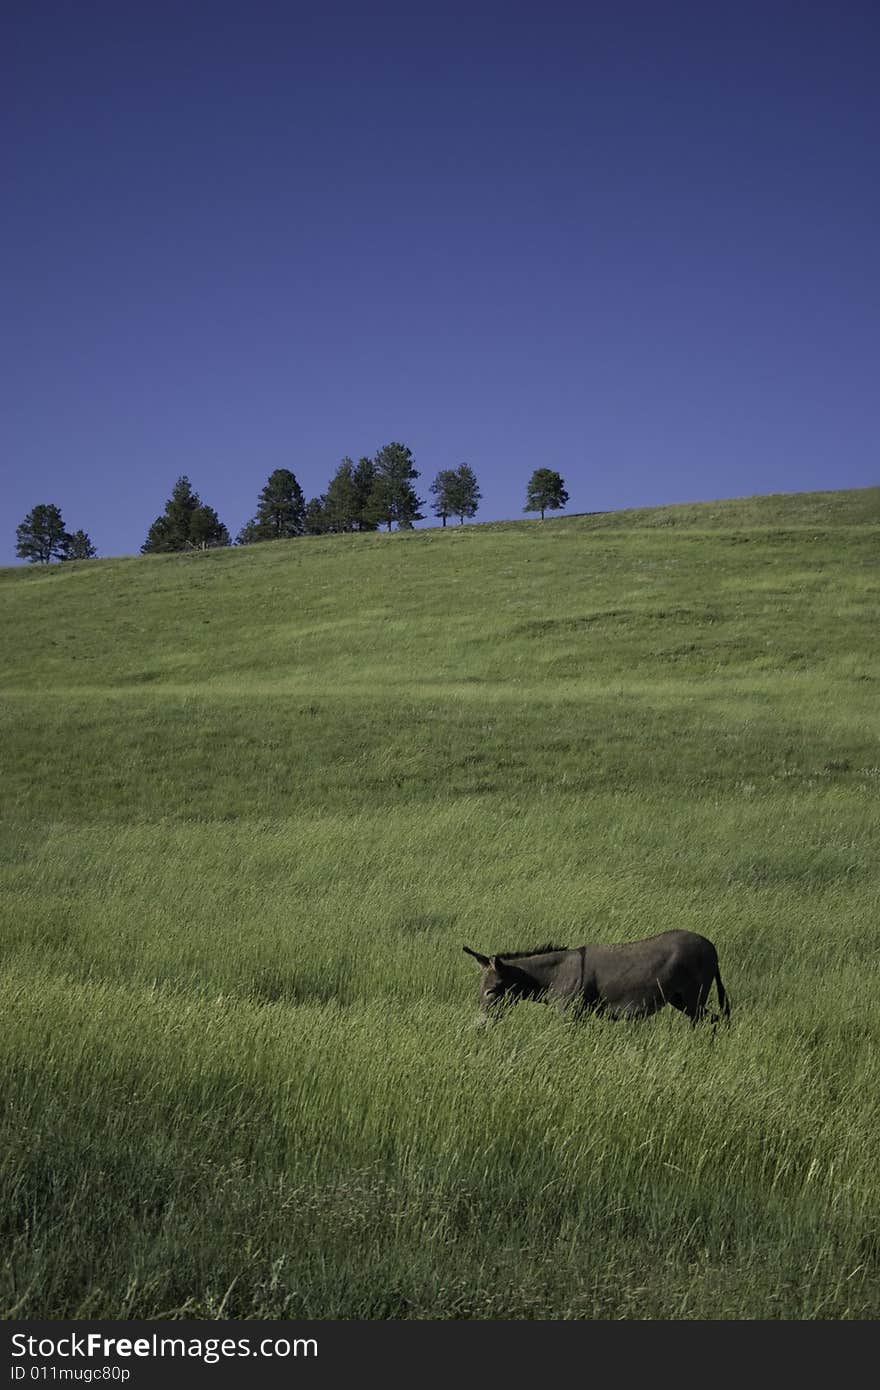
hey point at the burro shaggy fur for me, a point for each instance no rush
(629, 980)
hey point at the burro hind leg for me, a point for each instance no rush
(689, 997)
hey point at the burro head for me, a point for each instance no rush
(499, 983)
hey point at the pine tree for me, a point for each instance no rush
(79, 547)
(280, 510)
(185, 524)
(282, 506)
(316, 523)
(392, 497)
(466, 496)
(443, 487)
(363, 479)
(546, 492)
(206, 530)
(41, 537)
(457, 492)
(340, 504)
(170, 531)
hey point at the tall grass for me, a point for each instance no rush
(254, 803)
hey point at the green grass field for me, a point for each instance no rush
(255, 800)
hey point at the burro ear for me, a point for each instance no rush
(484, 960)
(497, 964)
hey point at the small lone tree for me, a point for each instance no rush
(546, 492)
(465, 495)
(79, 547)
(280, 510)
(186, 524)
(41, 537)
(392, 497)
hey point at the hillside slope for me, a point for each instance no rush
(256, 799)
(247, 681)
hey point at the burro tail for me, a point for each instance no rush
(723, 1001)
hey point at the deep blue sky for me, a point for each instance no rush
(635, 242)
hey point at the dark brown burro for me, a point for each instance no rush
(629, 980)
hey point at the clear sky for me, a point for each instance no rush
(633, 241)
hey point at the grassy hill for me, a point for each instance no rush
(255, 800)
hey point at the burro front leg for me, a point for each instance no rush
(570, 1006)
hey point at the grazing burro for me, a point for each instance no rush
(629, 980)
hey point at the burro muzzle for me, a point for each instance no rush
(631, 979)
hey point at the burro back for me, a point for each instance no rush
(631, 979)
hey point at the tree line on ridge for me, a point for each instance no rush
(362, 496)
